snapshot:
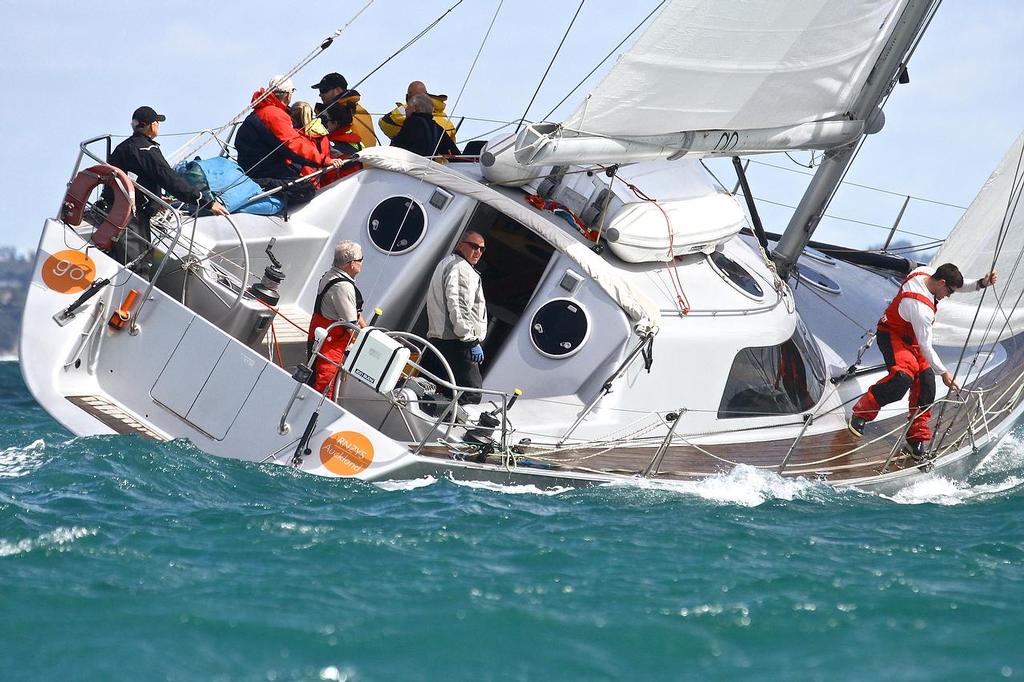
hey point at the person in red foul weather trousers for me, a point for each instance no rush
(905, 340)
(337, 298)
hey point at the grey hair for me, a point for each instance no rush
(346, 252)
(422, 103)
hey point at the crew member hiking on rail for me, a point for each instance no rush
(905, 340)
(337, 298)
(271, 151)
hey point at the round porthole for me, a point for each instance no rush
(817, 279)
(736, 274)
(397, 225)
(559, 328)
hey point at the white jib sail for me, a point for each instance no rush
(785, 70)
(994, 221)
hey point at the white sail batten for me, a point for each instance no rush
(996, 213)
(736, 68)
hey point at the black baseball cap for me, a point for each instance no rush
(146, 115)
(331, 81)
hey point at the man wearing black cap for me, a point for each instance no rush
(140, 154)
(334, 88)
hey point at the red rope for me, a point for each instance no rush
(282, 316)
(681, 301)
(276, 345)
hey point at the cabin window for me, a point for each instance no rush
(819, 256)
(397, 225)
(818, 279)
(770, 380)
(559, 328)
(737, 275)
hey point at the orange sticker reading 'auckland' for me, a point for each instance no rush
(68, 271)
(346, 453)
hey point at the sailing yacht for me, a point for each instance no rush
(643, 323)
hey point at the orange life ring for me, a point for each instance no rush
(118, 215)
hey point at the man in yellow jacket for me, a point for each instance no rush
(334, 88)
(391, 123)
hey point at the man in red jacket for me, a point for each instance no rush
(905, 340)
(270, 149)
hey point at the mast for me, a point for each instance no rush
(883, 77)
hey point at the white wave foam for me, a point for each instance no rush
(333, 673)
(21, 461)
(412, 484)
(1008, 456)
(744, 485)
(946, 492)
(527, 489)
(58, 537)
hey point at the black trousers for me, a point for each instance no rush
(133, 241)
(467, 372)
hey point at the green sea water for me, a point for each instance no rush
(122, 559)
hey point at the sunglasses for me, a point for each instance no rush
(476, 247)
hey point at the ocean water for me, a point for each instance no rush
(122, 559)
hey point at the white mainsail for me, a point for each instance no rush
(994, 222)
(728, 76)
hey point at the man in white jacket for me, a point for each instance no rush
(457, 316)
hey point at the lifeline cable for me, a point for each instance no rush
(326, 43)
(550, 64)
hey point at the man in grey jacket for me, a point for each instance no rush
(457, 316)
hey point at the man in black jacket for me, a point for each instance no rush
(420, 133)
(140, 154)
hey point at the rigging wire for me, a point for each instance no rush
(606, 58)
(465, 83)
(1013, 200)
(862, 186)
(181, 152)
(408, 43)
(550, 64)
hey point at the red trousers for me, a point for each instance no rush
(908, 369)
(323, 371)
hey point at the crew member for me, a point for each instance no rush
(270, 149)
(421, 134)
(905, 340)
(334, 88)
(392, 122)
(140, 154)
(457, 316)
(337, 298)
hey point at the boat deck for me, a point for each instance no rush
(835, 456)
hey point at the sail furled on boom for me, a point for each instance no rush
(727, 77)
(990, 231)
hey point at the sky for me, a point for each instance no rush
(77, 70)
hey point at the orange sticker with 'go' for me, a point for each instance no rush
(346, 453)
(68, 272)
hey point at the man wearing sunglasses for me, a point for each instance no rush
(457, 316)
(905, 340)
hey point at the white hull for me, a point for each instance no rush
(189, 372)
